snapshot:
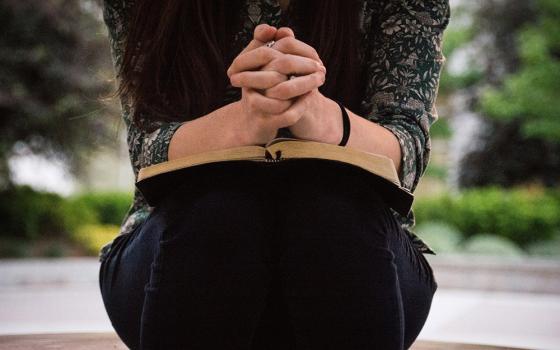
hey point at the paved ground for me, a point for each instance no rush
(96, 341)
(54, 296)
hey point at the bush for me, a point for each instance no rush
(93, 237)
(489, 244)
(549, 248)
(110, 207)
(14, 248)
(27, 213)
(520, 215)
(440, 236)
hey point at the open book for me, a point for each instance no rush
(154, 180)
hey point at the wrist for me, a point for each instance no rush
(238, 132)
(322, 121)
(334, 128)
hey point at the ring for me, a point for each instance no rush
(270, 43)
(290, 77)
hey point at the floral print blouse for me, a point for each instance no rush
(404, 39)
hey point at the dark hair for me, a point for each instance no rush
(177, 53)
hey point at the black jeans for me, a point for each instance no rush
(290, 256)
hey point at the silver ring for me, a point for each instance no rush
(270, 43)
(290, 77)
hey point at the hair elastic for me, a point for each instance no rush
(345, 124)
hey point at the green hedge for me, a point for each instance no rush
(28, 214)
(109, 207)
(521, 215)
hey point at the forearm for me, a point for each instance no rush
(210, 132)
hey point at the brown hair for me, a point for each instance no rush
(177, 53)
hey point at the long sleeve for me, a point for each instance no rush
(403, 69)
(146, 146)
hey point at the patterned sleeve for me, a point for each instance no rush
(146, 146)
(405, 59)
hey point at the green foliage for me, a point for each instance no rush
(459, 34)
(93, 237)
(549, 248)
(520, 215)
(455, 37)
(531, 94)
(51, 59)
(440, 129)
(14, 248)
(436, 171)
(29, 214)
(441, 236)
(490, 244)
(463, 80)
(110, 207)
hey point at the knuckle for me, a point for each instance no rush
(290, 42)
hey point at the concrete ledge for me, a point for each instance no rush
(490, 273)
(95, 341)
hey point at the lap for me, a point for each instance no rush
(315, 226)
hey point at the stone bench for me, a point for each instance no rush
(107, 341)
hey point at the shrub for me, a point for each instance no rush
(549, 248)
(110, 207)
(489, 244)
(520, 215)
(440, 236)
(27, 213)
(93, 237)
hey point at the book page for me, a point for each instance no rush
(235, 153)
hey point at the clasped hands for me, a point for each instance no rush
(270, 100)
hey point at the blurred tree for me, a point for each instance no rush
(520, 98)
(52, 53)
(532, 93)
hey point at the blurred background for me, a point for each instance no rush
(488, 204)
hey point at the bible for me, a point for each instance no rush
(156, 180)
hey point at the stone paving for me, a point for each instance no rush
(96, 341)
(62, 296)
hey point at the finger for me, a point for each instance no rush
(294, 46)
(292, 114)
(296, 86)
(262, 34)
(293, 65)
(253, 60)
(264, 104)
(257, 79)
(284, 32)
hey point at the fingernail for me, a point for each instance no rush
(323, 68)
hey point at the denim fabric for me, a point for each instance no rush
(298, 255)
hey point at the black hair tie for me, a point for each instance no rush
(345, 124)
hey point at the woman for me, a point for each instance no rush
(216, 266)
